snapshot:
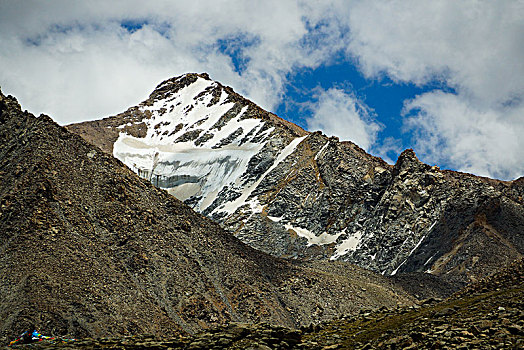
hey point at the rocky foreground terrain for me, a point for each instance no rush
(88, 248)
(297, 194)
(486, 315)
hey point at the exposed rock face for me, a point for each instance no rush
(87, 248)
(296, 194)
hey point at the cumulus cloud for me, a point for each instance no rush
(473, 47)
(340, 114)
(480, 141)
(84, 60)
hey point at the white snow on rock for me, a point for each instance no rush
(322, 239)
(231, 207)
(411, 252)
(347, 245)
(321, 150)
(192, 169)
(173, 156)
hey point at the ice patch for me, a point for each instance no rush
(184, 191)
(216, 168)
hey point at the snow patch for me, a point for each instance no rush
(123, 125)
(410, 253)
(347, 245)
(398, 267)
(324, 238)
(231, 126)
(186, 110)
(231, 207)
(429, 260)
(321, 150)
(416, 246)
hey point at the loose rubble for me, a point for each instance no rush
(471, 319)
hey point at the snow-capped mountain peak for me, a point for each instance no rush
(199, 141)
(293, 193)
(185, 149)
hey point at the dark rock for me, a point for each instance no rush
(515, 329)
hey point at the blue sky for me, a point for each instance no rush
(445, 78)
(384, 98)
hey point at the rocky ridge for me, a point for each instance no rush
(292, 193)
(87, 248)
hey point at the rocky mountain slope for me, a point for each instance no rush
(292, 193)
(87, 248)
(487, 315)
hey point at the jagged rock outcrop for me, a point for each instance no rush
(292, 193)
(87, 248)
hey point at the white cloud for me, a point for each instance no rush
(474, 47)
(76, 61)
(480, 141)
(340, 114)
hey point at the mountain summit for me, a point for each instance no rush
(293, 193)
